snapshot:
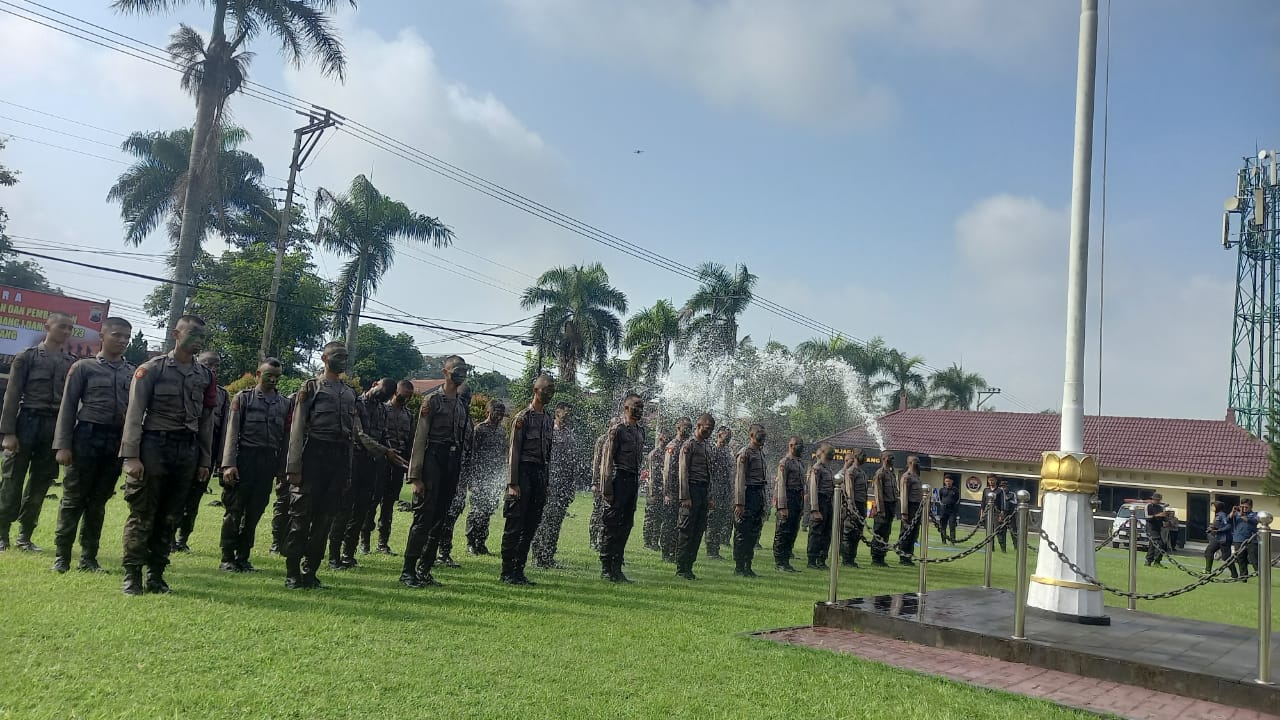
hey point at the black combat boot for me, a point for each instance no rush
(229, 563)
(747, 571)
(509, 575)
(61, 562)
(785, 566)
(364, 542)
(446, 559)
(4, 538)
(293, 574)
(132, 580)
(24, 543)
(606, 568)
(155, 581)
(409, 575)
(180, 544)
(686, 573)
(619, 576)
(89, 563)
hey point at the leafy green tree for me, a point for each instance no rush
(213, 71)
(364, 224)
(235, 320)
(650, 336)
(711, 315)
(580, 320)
(902, 376)
(955, 389)
(490, 384)
(136, 353)
(380, 354)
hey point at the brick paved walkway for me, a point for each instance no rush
(1100, 696)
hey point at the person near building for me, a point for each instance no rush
(1157, 535)
(1244, 537)
(37, 378)
(1219, 539)
(948, 508)
(911, 497)
(788, 497)
(253, 461)
(884, 508)
(86, 441)
(434, 468)
(821, 492)
(167, 446)
(200, 488)
(856, 495)
(749, 488)
(532, 435)
(994, 502)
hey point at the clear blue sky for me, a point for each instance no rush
(897, 168)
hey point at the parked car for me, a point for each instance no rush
(1120, 526)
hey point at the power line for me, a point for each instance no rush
(60, 117)
(15, 136)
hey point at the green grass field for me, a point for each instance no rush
(241, 646)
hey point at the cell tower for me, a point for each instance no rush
(1254, 212)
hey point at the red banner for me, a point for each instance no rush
(23, 314)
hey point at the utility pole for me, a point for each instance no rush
(304, 141)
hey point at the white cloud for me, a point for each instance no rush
(797, 62)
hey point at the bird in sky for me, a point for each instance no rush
(638, 152)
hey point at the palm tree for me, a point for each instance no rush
(151, 191)
(711, 316)
(650, 335)
(578, 320)
(213, 71)
(955, 389)
(364, 224)
(902, 377)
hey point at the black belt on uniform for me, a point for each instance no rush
(38, 411)
(104, 428)
(171, 434)
(448, 445)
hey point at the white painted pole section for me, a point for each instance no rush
(1072, 434)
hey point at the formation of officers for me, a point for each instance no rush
(336, 463)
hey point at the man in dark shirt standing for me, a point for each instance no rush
(653, 491)
(911, 497)
(485, 461)
(948, 508)
(670, 517)
(324, 433)
(620, 487)
(87, 442)
(31, 402)
(401, 424)
(788, 497)
(367, 471)
(1157, 513)
(434, 468)
(855, 514)
(166, 445)
(696, 458)
(561, 487)
(253, 461)
(200, 488)
(749, 488)
(821, 492)
(720, 495)
(884, 488)
(532, 434)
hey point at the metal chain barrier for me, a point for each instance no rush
(1205, 580)
(1196, 573)
(1111, 537)
(873, 541)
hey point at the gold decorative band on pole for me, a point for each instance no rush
(1064, 583)
(1069, 472)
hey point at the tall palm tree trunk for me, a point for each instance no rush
(357, 304)
(198, 176)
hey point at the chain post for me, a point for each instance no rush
(1264, 598)
(1133, 558)
(1020, 591)
(991, 546)
(837, 502)
(924, 521)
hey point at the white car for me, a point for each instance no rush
(1120, 526)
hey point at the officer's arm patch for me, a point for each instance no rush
(140, 372)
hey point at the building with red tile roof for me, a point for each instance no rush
(422, 387)
(1190, 462)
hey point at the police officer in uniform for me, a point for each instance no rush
(620, 487)
(322, 437)
(444, 532)
(532, 434)
(948, 508)
(788, 496)
(720, 495)
(595, 526)
(253, 461)
(748, 501)
(561, 487)
(280, 506)
(367, 472)
(653, 491)
(166, 445)
(200, 488)
(401, 425)
(434, 467)
(884, 490)
(87, 438)
(855, 510)
(36, 381)
(911, 496)
(696, 459)
(821, 489)
(486, 459)
(670, 517)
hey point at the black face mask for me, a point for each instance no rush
(458, 375)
